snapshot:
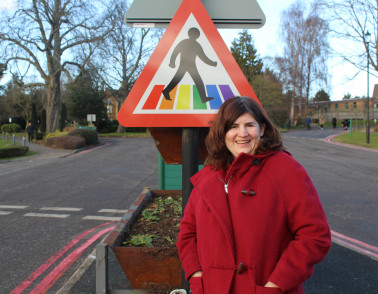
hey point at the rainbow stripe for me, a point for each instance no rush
(184, 99)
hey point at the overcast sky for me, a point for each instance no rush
(268, 44)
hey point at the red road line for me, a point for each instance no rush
(29, 280)
(355, 244)
(62, 267)
(371, 247)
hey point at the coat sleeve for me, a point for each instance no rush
(308, 225)
(187, 238)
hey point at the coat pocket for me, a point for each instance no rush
(196, 285)
(268, 290)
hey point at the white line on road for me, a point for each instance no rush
(47, 215)
(112, 210)
(13, 207)
(62, 208)
(102, 218)
(2, 212)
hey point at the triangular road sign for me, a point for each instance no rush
(196, 80)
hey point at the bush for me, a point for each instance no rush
(107, 126)
(11, 128)
(56, 134)
(67, 142)
(39, 135)
(136, 130)
(13, 151)
(90, 136)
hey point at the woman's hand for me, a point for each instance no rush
(271, 285)
(196, 274)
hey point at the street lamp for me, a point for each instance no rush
(367, 40)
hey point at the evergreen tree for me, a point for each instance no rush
(85, 97)
(321, 96)
(245, 54)
(33, 119)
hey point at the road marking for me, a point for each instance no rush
(35, 275)
(112, 211)
(47, 215)
(102, 218)
(80, 271)
(66, 263)
(2, 212)
(355, 245)
(61, 208)
(13, 207)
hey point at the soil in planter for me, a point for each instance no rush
(157, 225)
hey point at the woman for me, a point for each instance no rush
(254, 222)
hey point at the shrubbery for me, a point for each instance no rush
(90, 136)
(136, 130)
(56, 134)
(10, 128)
(67, 142)
(107, 126)
(39, 136)
(13, 151)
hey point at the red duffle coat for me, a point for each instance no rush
(260, 221)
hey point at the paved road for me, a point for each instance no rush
(347, 182)
(112, 176)
(56, 200)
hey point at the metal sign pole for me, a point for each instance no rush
(190, 142)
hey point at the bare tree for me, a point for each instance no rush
(123, 54)
(350, 20)
(292, 24)
(315, 48)
(41, 35)
(304, 58)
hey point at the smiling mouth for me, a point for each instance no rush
(243, 142)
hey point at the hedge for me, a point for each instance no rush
(56, 134)
(11, 128)
(13, 151)
(90, 136)
(67, 142)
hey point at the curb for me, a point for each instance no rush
(330, 140)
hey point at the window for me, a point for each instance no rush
(336, 105)
(346, 105)
(354, 104)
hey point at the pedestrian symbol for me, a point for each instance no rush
(188, 77)
(189, 49)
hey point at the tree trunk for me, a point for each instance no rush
(53, 104)
(121, 129)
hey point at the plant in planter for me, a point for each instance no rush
(144, 242)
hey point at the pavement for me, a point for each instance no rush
(86, 283)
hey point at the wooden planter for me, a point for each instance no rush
(146, 268)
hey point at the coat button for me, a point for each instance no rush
(256, 161)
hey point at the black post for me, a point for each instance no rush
(190, 142)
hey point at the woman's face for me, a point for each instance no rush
(243, 135)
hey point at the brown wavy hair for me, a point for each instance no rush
(219, 157)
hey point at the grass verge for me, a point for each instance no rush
(358, 139)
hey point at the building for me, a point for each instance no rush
(112, 103)
(345, 109)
